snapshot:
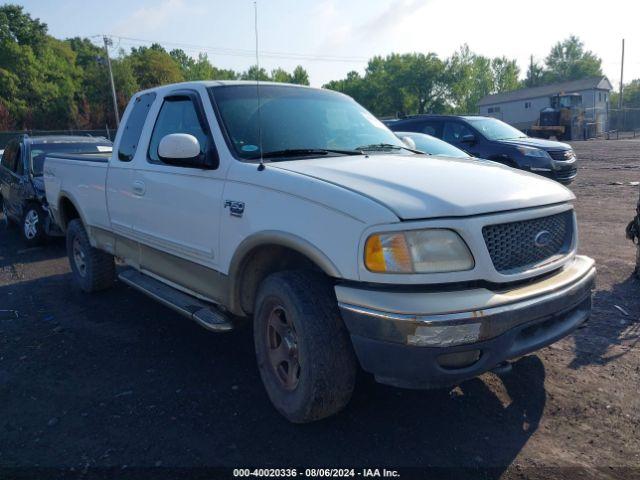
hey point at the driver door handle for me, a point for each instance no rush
(139, 188)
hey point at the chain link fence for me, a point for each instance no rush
(625, 120)
(106, 132)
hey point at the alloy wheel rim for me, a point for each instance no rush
(79, 257)
(31, 224)
(282, 348)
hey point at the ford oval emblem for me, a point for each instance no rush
(542, 239)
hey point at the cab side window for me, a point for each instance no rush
(454, 132)
(177, 115)
(133, 129)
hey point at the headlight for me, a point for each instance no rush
(533, 152)
(417, 251)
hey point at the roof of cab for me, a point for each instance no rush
(224, 83)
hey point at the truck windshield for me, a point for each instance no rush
(40, 150)
(494, 129)
(296, 119)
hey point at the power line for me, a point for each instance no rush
(238, 52)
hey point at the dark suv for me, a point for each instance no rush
(21, 184)
(492, 139)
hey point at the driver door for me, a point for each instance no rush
(177, 208)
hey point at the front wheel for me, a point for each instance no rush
(92, 269)
(33, 220)
(304, 352)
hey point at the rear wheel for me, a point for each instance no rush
(304, 352)
(33, 220)
(92, 269)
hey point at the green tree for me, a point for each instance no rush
(18, 27)
(153, 66)
(280, 75)
(353, 85)
(300, 76)
(255, 73)
(471, 76)
(631, 94)
(96, 102)
(39, 79)
(568, 60)
(535, 75)
(184, 61)
(505, 74)
(397, 84)
(200, 69)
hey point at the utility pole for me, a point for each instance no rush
(113, 86)
(621, 74)
(531, 71)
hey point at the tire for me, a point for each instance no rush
(312, 338)
(32, 225)
(92, 269)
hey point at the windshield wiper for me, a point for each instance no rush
(303, 152)
(386, 146)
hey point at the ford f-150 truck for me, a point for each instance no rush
(296, 208)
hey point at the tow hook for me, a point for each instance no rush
(503, 368)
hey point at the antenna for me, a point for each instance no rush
(261, 165)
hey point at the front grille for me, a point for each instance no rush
(562, 155)
(516, 246)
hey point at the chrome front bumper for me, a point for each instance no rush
(490, 326)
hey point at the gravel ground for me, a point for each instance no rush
(115, 379)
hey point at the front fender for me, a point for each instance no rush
(275, 238)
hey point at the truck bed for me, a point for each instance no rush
(81, 177)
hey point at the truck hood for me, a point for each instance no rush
(537, 143)
(418, 187)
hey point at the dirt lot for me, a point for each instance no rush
(116, 380)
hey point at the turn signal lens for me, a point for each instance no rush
(388, 253)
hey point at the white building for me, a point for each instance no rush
(521, 108)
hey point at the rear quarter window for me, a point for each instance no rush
(133, 129)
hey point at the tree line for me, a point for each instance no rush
(47, 83)
(419, 83)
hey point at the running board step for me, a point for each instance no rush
(206, 314)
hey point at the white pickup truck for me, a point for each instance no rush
(297, 208)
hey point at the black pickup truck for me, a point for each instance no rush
(22, 192)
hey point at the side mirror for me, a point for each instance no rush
(408, 141)
(470, 138)
(181, 149)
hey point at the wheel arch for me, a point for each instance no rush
(268, 252)
(67, 210)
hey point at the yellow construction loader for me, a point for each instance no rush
(564, 119)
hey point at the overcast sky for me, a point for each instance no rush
(331, 37)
